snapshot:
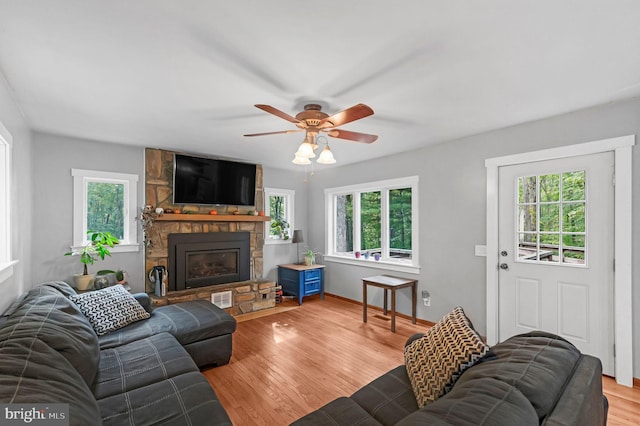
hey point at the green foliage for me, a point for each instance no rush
(370, 220)
(279, 228)
(399, 221)
(555, 210)
(279, 225)
(105, 207)
(98, 246)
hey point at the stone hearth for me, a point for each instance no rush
(248, 296)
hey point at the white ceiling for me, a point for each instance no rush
(184, 75)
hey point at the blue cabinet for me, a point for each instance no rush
(301, 280)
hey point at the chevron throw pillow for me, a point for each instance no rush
(435, 361)
(110, 308)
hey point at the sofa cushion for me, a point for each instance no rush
(188, 322)
(481, 402)
(46, 314)
(339, 412)
(110, 308)
(435, 361)
(140, 363)
(539, 364)
(187, 399)
(389, 398)
(32, 371)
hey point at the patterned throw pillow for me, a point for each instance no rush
(110, 308)
(435, 361)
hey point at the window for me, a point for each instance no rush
(105, 201)
(374, 222)
(6, 264)
(279, 205)
(551, 218)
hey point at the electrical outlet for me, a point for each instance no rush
(427, 301)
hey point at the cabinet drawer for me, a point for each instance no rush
(312, 274)
(312, 287)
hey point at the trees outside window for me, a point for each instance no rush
(280, 205)
(105, 202)
(379, 218)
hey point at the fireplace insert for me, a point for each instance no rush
(208, 258)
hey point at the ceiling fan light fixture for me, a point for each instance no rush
(305, 150)
(326, 156)
(303, 161)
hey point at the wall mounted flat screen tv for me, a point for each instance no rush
(199, 180)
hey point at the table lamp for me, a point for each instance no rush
(297, 239)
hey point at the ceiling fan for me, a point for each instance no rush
(314, 121)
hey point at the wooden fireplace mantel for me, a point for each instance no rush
(188, 217)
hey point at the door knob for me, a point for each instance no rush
(504, 266)
(503, 253)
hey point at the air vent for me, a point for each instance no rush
(222, 299)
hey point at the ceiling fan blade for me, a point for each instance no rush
(354, 113)
(278, 113)
(352, 136)
(282, 132)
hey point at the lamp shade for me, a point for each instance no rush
(297, 236)
(305, 150)
(301, 160)
(326, 157)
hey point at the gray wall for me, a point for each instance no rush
(22, 205)
(53, 159)
(453, 208)
(276, 254)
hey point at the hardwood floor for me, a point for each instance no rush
(288, 364)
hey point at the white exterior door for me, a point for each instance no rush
(556, 228)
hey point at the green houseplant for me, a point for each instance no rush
(310, 257)
(97, 247)
(279, 228)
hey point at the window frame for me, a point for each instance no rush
(412, 265)
(289, 195)
(6, 261)
(81, 178)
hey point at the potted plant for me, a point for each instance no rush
(279, 228)
(310, 257)
(98, 246)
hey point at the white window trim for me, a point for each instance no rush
(623, 307)
(412, 266)
(81, 178)
(290, 195)
(6, 262)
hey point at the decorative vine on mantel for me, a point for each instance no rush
(146, 218)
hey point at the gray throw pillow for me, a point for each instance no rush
(110, 308)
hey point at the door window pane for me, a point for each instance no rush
(527, 189)
(549, 188)
(573, 186)
(573, 217)
(527, 246)
(527, 221)
(549, 217)
(551, 225)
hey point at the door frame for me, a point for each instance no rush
(622, 303)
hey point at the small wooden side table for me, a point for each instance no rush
(387, 282)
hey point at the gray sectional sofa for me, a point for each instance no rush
(145, 373)
(531, 379)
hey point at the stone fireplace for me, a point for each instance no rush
(249, 292)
